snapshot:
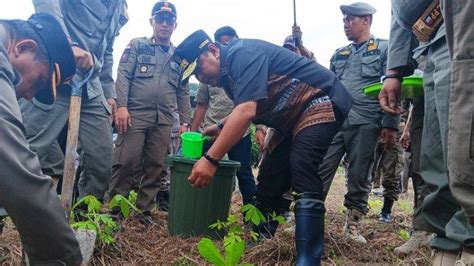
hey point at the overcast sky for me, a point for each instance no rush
(270, 20)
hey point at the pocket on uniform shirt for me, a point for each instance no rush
(371, 66)
(145, 66)
(339, 67)
(34, 114)
(174, 74)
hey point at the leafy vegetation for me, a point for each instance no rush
(234, 241)
(101, 223)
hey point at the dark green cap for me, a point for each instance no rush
(358, 9)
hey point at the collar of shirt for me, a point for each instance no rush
(224, 66)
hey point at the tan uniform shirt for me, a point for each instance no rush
(148, 83)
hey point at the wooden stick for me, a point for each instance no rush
(71, 148)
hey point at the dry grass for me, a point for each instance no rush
(137, 244)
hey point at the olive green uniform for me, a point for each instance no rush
(439, 206)
(357, 68)
(27, 194)
(459, 34)
(148, 85)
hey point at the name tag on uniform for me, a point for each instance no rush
(343, 55)
(370, 53)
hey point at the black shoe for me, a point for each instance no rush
(163, 200)
(309, 230)
(386, 218)
(145, 219)
(266, 229)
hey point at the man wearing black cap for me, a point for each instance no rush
(91, 26)
(35, 59)
(258, 77)
(357, 65)
(213, 105)
(148, 91)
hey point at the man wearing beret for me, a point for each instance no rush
(35, 59)
(298, 97)
(91, 27)
(148, 91)
(419, 29)
(356, 65)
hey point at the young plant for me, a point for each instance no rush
(101, 223)
(234, 241)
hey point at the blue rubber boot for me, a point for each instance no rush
(309, 231)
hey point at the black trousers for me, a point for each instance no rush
(294, 163)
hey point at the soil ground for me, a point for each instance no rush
(137, 244)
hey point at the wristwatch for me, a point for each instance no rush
(220, 125)
(213, 161)
(392, 76)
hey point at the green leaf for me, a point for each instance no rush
(132, 197)
(208, 251)
(253, 214)
(404, 234)
(254, 235)
(280, 219)
(124, 208)
(93, 204)
(234, 252)
(114, 202)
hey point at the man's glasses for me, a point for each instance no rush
(161, 19)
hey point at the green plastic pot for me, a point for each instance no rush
(192, 209)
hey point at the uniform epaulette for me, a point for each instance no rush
(341, 48)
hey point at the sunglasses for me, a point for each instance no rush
(161, 19)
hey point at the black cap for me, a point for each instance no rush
(163, 6)
(358, 9)
(224, 31)
(189, 51)
(61, 59)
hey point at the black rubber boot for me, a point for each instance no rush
(309, 231)
(163, 200)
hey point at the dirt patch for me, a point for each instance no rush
(136, 244)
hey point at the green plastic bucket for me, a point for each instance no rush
(411, 87)
(192, 210)
(191, 144)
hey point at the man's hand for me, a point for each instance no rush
(113, 106)
(390, 95)
(83, 58)
(183, 128)
(202, 173)
(123, 121)
(297, 34)
(260, 139)
(388, 136)
(212, 131)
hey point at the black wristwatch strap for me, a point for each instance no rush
(220, 125)
(392, 76)
(210, 159)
